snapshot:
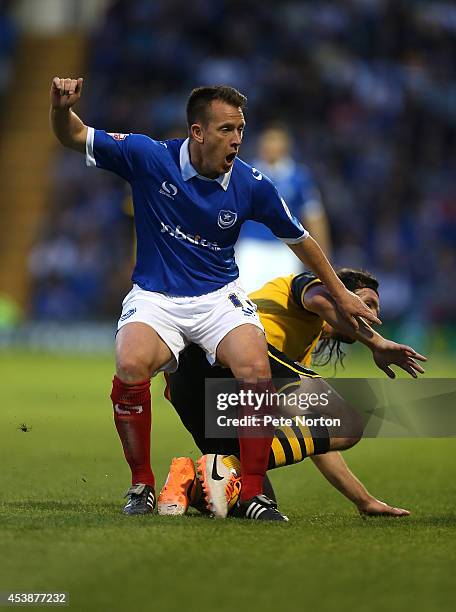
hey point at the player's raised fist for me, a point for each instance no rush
(65, 92)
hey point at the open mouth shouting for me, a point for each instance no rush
(229, 159)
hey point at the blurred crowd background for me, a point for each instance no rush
(8, 43)
(366, 89)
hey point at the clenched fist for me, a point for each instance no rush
(65, 92)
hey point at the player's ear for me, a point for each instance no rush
(196, 132)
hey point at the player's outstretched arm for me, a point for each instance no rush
(67, 126)
(384, 352)
(336, 471)
(349, 304)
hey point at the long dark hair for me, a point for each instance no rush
(329, 349)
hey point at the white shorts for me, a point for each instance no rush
(203, 319)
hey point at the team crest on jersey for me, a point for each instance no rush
(117, 136)
(226, 219)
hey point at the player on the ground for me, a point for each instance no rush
(296, 312)
(190, 198)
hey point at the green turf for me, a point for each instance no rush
(61, 527)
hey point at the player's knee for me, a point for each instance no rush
(257, 369)
(356, 428)
(341, 444)
(131, 369)
(351, 422)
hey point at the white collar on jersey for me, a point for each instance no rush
(188, 171)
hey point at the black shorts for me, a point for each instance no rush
(186, 391)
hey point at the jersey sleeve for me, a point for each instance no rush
(119, 153)
(300, 284)
(271, 210)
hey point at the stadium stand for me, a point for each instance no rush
(367, 88)
(8, 40)
(26, 149)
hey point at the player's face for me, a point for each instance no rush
(370, 298)
(222, 137)
(273, 145)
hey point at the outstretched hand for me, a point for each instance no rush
(391, 353)
(65, 92)
(375, 507)
(351, 306)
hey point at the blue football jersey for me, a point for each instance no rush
(296, 185)
(187, 225)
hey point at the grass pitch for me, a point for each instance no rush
(61, 527)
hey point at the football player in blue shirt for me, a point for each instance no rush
(259, 254)
(190, 199)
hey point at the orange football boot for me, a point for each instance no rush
(176, 493)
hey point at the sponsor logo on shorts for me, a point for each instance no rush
(248, 308)
(168, 189)
(248, 312)
(195, 239)
(226, 219)
(128, 314)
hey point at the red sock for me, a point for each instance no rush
(255, 450)
(132, 416)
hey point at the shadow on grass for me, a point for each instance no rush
(35, 514)
(80, 513)
(59, 506)
(444, 520)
